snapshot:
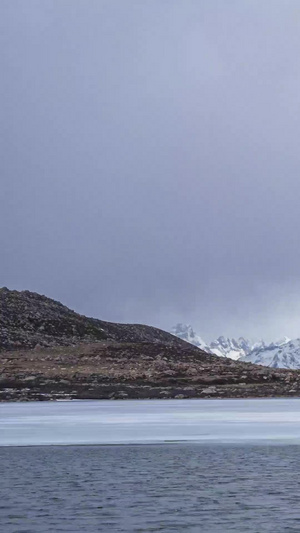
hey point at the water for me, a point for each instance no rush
(162, 488)
(239, 470)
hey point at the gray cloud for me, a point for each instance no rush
(150, 160)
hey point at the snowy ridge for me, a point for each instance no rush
(283, 353)
(232, 348)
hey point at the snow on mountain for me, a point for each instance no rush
(283, 353)
(187, 334)
(232, 348)
(223, 347)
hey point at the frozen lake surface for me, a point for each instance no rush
(157, 421)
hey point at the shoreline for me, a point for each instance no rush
(25, 395)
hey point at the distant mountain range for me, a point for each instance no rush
(284, 353)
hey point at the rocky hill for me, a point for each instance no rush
(29, 320)
(49, 352)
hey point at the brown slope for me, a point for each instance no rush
(135, 370)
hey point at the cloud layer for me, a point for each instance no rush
(150, 160)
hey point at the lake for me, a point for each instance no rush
(206, 466)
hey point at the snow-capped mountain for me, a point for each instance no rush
(223, 347)
(233, 348)
(284, 353)
(281, 354)
(187, 334)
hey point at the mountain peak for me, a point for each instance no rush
(186, 333)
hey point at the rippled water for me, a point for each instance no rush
(149, 488)
(238, 471)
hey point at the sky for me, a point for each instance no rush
(150, 161)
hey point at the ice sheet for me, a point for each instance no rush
(143, 421)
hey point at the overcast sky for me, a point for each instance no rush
(150, 160)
